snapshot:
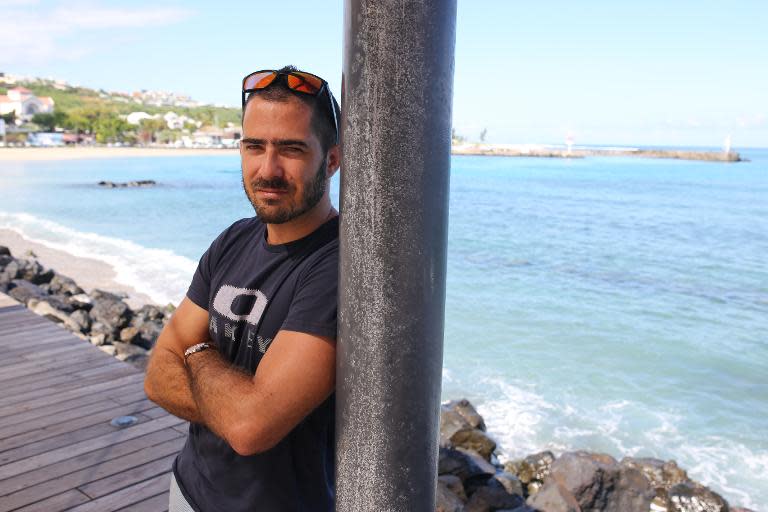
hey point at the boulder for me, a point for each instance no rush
(693, 497)
(533, 468)
(109, 349)
(100, 328)
(598, 482)
(129, 335)
(34, 272)
(454, 485)
(24, 291)
(110, 310)
(148, 333)
(460, 425)
(491, 498)
(463, 464)
(4, 251)
(447, 500)
(4, 260)
(554, 498)
(510, 482)
(81, 301)
(64, 285)
(11, 271)
(81, 321)
(124, 350)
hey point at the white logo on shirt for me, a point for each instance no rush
(226, 296)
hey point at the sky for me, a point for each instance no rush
(663, 73)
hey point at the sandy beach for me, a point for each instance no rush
(87, 272)
(83, 152)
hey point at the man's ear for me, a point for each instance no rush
(333, 157)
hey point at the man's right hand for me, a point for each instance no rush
(167, 380)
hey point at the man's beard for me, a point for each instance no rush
(313, 193)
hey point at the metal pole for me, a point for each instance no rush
(397, 95)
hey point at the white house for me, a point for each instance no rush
(135, 118)
(25, 104)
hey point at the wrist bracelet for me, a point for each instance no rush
(196, 348)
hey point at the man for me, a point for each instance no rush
(259, 393)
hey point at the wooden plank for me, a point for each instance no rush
(61, 501)
(32, 367)
(75, 426)
(106, 474)
(91, 460)
(72, 393)
(28, 327)
(127, 496)
(49, 420)
(83, 434)
(184, 429)
(45, 388)
(128, 477)
(53, 409)
(65, 452)
(157, 503)
(74, 370)
(29, 347)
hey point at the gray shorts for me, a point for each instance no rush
(176, 501)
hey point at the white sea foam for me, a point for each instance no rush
(160, 274)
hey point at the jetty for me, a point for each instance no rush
(539, 151)
(77, 431)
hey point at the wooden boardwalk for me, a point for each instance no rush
(58, 450)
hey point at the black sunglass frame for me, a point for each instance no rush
(323, 86)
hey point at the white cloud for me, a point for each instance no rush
(32, 32)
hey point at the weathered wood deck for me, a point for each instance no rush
(58, 450)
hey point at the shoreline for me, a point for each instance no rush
(13, 154)
(89, 273)
(9, 154)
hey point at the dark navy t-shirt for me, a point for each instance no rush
(252, 290)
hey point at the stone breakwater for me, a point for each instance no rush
(101, 317)
(470, 476)
(546, 152)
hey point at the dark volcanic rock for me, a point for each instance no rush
(4, 251)
(462, 426)
(597, 482)
(23, 291)
(111, 311)
(463, 464)
(554, 498)
(65, 285)
(129, 335)
(511, 483)
(447, 500)
(453, 483)
(489, 498)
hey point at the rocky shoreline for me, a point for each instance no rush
(470, 476)
(548, 152)
(102, 318)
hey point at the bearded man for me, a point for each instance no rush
(249, 355)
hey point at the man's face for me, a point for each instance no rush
(284, 167)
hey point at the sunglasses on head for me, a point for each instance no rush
(298, 81)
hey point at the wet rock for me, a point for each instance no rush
(453, 483)
(467, 411)
(447, 500)
(693, 497)
(510, 482)
(64, 285)
(554, 498)
(489, 498)
(24, 291)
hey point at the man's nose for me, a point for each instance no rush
(271, 165)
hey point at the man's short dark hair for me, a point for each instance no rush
(322, 120)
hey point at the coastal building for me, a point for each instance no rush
(25, 104)
(135, 118)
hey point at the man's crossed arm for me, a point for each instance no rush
(251, 412)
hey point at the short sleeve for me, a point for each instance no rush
(315, 302)
(200, 287)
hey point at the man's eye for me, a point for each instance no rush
(254, 147)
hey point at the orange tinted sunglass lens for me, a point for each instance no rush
(259, 80)
(304, 82)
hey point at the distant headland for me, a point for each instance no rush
(541, 151)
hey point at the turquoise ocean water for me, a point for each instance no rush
(610, 304)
